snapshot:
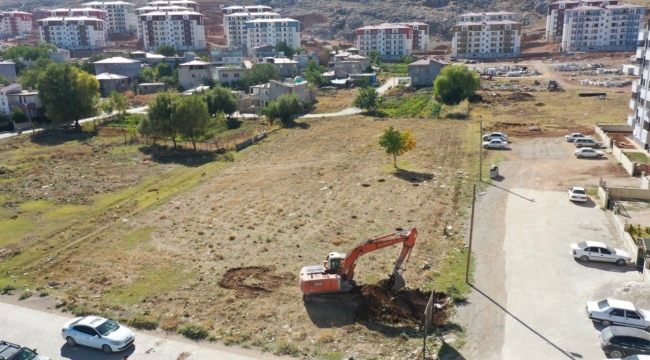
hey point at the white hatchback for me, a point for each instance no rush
(596, 251)
(97, 332)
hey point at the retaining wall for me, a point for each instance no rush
(628, 242)
(629, 193)
(627, 164)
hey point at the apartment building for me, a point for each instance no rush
(120, 15)
(391, 40)
(73, 32)
(234, 25)
(150, 8)
(555, 15)
(232, 9)
(88, 12)
(640, 99)
(182, 29)
(609, 27)
(485, 35)
(184, 3)
(420, 36)
(8, 70)
(272, 31)
(14, 23)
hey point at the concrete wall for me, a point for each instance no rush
(645, 182)
(628, 242)
(629, 193)
(604, 196)
(607, 142)
(615, 128)
(627, 164)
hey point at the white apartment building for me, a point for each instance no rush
(420, 36)
(234, 25)
(391, 40)
(555, 15)
(149, 8)
(14, 23)
(184, 3)
(88, 12)
(231, 9)
(272, 31)
(485, 35)
(182, 29)
(73, 32)
(640, 100)
(120, 15)
(611, 27)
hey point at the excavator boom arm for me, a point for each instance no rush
(406, 237)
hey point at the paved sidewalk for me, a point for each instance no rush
(42, 330)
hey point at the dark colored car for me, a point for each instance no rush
(11, 351)
(619, 341)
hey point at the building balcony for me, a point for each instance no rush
(630, 120)
(643, 35)
(637, 70)
(635, 86)
(639, 53)
(633, 104)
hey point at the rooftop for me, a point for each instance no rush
(384, 26)
(195, 62)
(173, 2)
(106, 3)
(70, 18)
(75, 9)
(489, 13)
(116, 60)
(108, 76)
(4, 62)
(9, 87)
(166, 13)
(496, 22)
(427, 62)
(272, 20)
(266, 13)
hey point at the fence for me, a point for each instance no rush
(617, 153)
(251, 141)
(628, 242)
(627, 164)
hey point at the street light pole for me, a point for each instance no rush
(471, 230)
(480, 154)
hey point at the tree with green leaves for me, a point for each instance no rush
(367, 99)
(17, 115)
(4, 81)
(118, 102)
(396, 143)
(260, 74)
(167, 50)
(285, 108)
(455, 83)
(162, 70)
(191, 115)
(161, 122)
(314, 74)
(68, 93)
(88, 65)
(375, 57)
(147, 75)
(286, 49)
(324, 56)
(29, 78)
(221, 100)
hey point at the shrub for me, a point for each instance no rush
(143, 322)
(26, 295)
(460, 111)
(44, 293)
(7, 289)
(169, 323)
(194, 331)
(325, 336)
(286, 348)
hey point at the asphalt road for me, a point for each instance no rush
(42, 330)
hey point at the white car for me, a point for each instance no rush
(635, 357)
(577, 194)
(588, 153)
(573, 136)
(495, 135)
(618, 312)
(97, 332)
(495, 144)
(596, 251)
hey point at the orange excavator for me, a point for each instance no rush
(337, 272)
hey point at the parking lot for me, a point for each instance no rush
(530, 293)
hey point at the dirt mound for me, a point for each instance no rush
(254, 280)
(378, 303)
(520, 96)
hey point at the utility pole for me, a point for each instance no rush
(480, 154)
(471, 231)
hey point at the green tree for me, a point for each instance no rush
(118, 102)
(88, 65)
(284, 109)
(4, 81)
(17, 115)
(167, 50)
(148, 75)
(324, 56)
(192, 113)
(221, 99)
(406, 59)
(162, 70)
(260, 74)
(161, 123)
(68, 93)
(397, 143)
(29, 78)
(455, 83)
(367, 99)
(147, 128)
(314, 74)
(286, 49)
(375, 57)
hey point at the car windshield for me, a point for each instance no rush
(582, 245)
(25, 354)
(580, 192)
(612, 250)
(607, 334)
(602, 305)
(107, 327)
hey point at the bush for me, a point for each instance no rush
(143, 322)
(26, 295)
(169, 323)
(286, 348)
(194, 331)
(7, 289)
(460, 111)
(44, 293)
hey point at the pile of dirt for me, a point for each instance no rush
(377, 302)
(254, 280)
(520, 96)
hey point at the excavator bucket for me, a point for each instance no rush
(398, 282)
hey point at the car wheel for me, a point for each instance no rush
(107, 349)
(598, 156)
(485, 146)
(584, 258)
(607, 323)
(579, 146)
(617, 354)
(621, 262)
(70, 341)
(502, 147)
(579, 156)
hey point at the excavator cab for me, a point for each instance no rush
(333, 262)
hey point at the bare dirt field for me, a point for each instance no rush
(334, 100)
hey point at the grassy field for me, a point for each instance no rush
(334, 100)
(121, 230)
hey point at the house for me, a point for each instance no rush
(28, 101)
(349, 62)
(118, 65)
(150, 88)
(4, 99)
(263, 51)
(262, 95)
(286, 67)
(112, 82)
(229, 75)
(147, 57)
(304, 57)
(196, 89)
(424, 72)
(230, 56)
(60, 56)
(194, 73)
(8, 70)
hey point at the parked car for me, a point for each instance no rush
(635, 357)
(618, 341)
(495, 135)
(10, 351)
(573, 136)
(97, 332)
(577, 194)
(596, 251)
(588, 153)
(589, 142)
(495, 144)
(618, 312)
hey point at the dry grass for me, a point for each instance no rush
(325, 336)
(334, 100)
